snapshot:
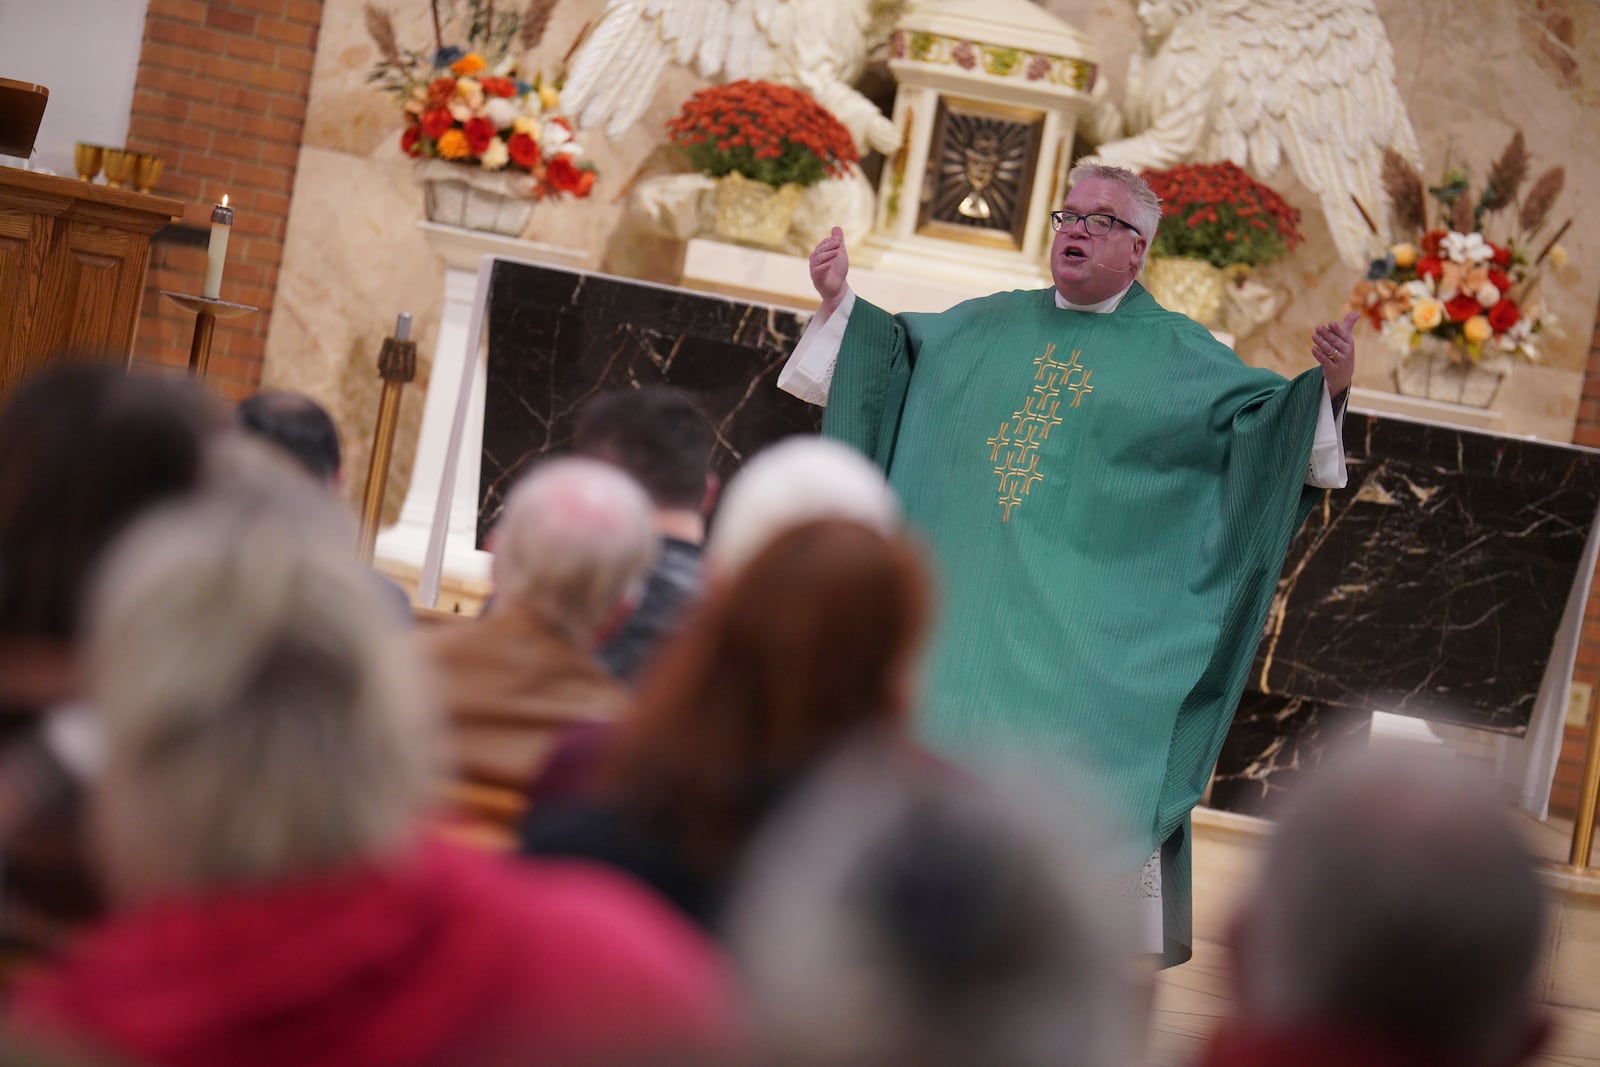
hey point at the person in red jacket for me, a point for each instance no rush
(270, 754)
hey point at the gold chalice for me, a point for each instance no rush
(86, 157)
(146, 172)
(119, 166)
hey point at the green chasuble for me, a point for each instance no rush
(1109, 499)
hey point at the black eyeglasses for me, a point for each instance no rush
(1095, 224)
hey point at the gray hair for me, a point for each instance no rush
(799, 479)
(1397, 897)
(1147, 205)
(898, 915)
(262, 715)
(575, 541)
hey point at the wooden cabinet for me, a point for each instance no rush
(73, 257)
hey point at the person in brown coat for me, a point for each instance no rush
(571, 552)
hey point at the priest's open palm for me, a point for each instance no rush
(829, 265)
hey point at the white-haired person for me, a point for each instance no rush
(899, 914)
(271, 748)
(1397, 921)
(572, 549)
(797, 480)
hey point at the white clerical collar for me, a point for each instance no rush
(1099, 307)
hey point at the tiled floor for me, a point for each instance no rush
(1191, 999)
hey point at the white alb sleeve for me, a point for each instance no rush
(809, 372)
(1325, 469)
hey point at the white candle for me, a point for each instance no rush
(217, 251)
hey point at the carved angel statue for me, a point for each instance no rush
(1261, 81)
(820, 46)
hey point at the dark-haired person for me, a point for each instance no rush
(663, 442)
(85, 449)
(300, 427)
(809, 644)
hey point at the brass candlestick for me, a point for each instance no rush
(206, 311)
(1588, 798)
(397, 365)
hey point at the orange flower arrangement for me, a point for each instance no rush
(766, 132)
(1218, 213)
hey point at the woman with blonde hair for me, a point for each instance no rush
(270, 755)
(809, 644)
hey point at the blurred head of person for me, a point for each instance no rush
(794, 481)
(896, 914)
(811, 642)
(660, 438)
(84, 449)
(1396, 902)
(573, 546)
(262, 716)
(297, 425)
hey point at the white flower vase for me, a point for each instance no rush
(1437, 369)
(457, 195)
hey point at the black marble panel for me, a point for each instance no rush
(556, 337)
(1434, 585)
(1275, 741)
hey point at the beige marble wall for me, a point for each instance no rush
(1470, 72)
(354, 258)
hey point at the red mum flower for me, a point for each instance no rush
(479, 133)
(1463, 307)
(499, 86)
(564, 175)
(1431, 241)
(435, 121)
(1504, 315)
(440, 90)
(524, 151)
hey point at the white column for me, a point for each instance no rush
(405, 543)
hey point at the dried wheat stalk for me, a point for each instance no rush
(535, 20)
(1506, 176)
(380, 27)
(1541, 198)
(1403, 185)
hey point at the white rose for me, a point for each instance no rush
(501, 112)
(1488, 295)
(496, 155)
(554, 135)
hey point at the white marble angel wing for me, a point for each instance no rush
(1310, 82)
(615, 72)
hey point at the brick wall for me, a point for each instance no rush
(1564, 797)
(221, 96)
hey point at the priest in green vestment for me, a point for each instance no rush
(1109, 492)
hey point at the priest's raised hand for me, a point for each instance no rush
(830, 262)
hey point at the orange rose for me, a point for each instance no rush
(453, 145)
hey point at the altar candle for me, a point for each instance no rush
(217, 251)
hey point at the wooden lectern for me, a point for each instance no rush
(73, 257)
